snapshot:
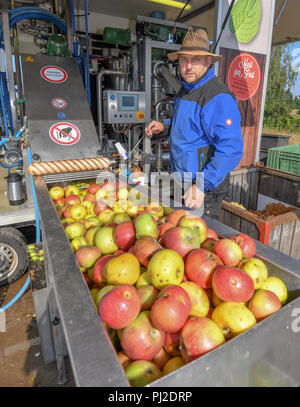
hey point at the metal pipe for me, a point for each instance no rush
(162, 71)
(99, 99)
(18, 69)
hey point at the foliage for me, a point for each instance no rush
(279, 99)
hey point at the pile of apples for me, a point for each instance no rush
(167, 288)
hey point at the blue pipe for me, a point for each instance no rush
(26, 284)
(15, 299)
(3, 111)
(21, 13)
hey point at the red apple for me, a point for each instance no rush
(67, 212)
(98, 270)
(86, 256)
(163, 227)
(99, 207)
(161, 358)
(119, 252)
(120, 307)
(232, 285)
(90, 197)
(171, 309)
(200, 265)
(140, 339)
(172, 342)
(72, 199)
(124, 235)
(264, 303)
(59, 211)
(211, 233)
(198, 336)
(182, 240)
(131, 250)
(229, 252)
(87, 279)
(209, 244)
(177, 215)
(246, 243)
(144, 249)
(93, 188)
(60, 201)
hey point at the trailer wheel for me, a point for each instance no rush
(13, 255)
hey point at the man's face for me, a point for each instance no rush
(193, 67)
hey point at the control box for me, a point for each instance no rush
(124, 107)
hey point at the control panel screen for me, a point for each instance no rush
(128, 102)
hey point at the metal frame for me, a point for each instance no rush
(256, 357)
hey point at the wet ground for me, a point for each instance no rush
(21, 360)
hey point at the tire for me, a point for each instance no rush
(13, 255)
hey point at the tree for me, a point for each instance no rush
(281, 79)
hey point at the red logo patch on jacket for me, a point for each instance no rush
(229, 122)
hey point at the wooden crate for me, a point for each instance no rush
(280, 232)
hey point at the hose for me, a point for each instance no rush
(26, 284)
(23, 13)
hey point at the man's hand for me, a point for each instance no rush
(154, 128)
(193, 198)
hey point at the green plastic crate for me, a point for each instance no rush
(285, 158)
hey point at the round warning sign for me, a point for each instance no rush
(65, 134)
(244, 76)
(59, 103)
(53, 74)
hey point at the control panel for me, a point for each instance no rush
(124, 106)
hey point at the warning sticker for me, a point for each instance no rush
(65, 134)
(59, 103)
(53, 74)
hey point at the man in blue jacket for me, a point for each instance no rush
(205, 140)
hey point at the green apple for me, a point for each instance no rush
(104, 240)
(197, 224)
(78, 211)
(92, 221)
(90, 235)
(77, 243)
(72, 190)
(106, 216)
(121, 217)
(145, 225)
(74, 230)
(56, 192)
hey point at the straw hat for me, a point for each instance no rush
(194, 43)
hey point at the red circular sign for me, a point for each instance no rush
(59, 103)
(243, 76)
(53, 74)
(64, 133)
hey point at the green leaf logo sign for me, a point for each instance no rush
(245, 19)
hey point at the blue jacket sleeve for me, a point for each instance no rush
(221, 121)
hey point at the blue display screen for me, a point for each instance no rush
(128, 102)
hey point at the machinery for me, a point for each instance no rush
(79, 108)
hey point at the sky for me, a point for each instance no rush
(295, 52)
